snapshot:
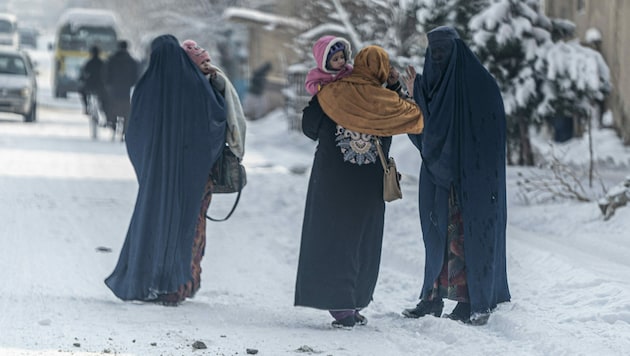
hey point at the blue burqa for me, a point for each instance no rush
(463, 148)
(176, 132)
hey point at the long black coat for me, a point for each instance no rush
(92, 76)
(343, 223)
(121, 74)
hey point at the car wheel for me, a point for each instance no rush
(31, 116)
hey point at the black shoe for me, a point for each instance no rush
(425, 307)
(478, 319)
(460, 313)
(347, 322)
(360, 319)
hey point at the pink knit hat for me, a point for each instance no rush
(196, 53)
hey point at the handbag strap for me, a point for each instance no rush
(381, 154)
(238, 197)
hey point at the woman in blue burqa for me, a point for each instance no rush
(176, 132)
(462, 199)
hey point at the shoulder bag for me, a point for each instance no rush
(391, 177)
(228, 176)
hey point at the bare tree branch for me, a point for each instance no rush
(556, 180)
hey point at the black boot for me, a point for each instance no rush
(360, 319)
(461, 313)
(343, 318)
(347, 322)
(479, 318)
(425, 307)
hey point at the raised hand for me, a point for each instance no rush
(393, 76)
(409, 79)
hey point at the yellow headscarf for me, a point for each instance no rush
(360, 103)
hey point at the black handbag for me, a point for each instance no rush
(228, 176)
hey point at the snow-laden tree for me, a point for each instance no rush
(387, 23)
(456, 13)
(465, 10)
(507, 36)
(434, 13)
(575, 83)
(541, 76)
(574, 79)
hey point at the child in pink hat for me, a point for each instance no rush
(199, 56)
(332, 55)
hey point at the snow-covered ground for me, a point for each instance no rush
(64, 199)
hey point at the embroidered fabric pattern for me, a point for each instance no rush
(357, 148)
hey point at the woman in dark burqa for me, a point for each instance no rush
(343, 220)
(462, 182)
(176, 132)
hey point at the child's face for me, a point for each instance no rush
(337, 61)
(205, 66)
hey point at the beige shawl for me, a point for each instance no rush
(360, 103)
(235, 135)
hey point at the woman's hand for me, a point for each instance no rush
(409, 78)
(393, 76)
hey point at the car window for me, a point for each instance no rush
(6, 26)
(12, 65)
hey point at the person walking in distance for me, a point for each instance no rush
(121, 74)
(91, 80)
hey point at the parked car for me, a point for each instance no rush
(18, 84)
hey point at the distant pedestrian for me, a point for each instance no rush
(121, 74)
(256, 103)
(91, 80)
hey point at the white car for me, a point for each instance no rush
(18, 84)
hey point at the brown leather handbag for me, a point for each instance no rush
(391, 177)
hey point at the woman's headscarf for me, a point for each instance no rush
(437, 95)
(173, 99)
(360, 103)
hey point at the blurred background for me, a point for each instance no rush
(559, 63)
